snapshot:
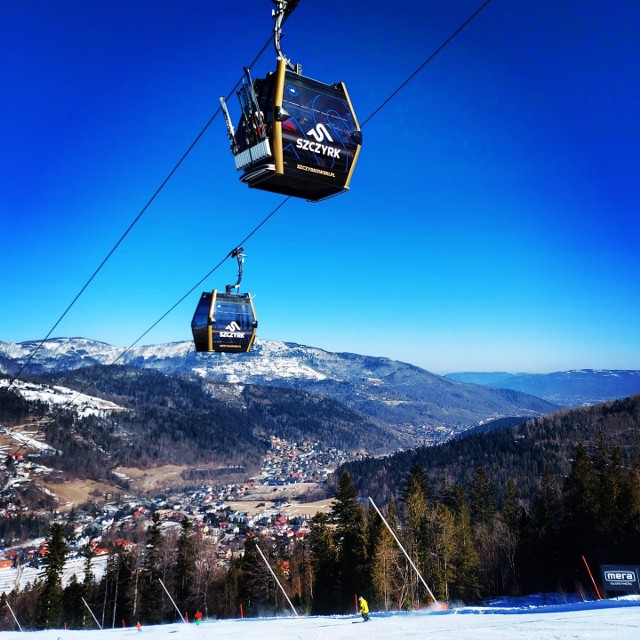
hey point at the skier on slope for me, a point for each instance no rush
(364, 608)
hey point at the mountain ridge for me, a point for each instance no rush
(572, 388)
(385, 390)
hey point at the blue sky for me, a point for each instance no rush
(492, 221)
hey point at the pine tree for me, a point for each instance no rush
(415, 495)
(630, 510)
(511, 509)
(419, 530)
(385, 560)
(4, 613)
(229, 603)
(482, 498)
(581, 512)
(301, 577)
(73, 609)
(88, 591)
(50, 598)
(325, 566)
(611, 523)
(150, 591)
(258, 589)
(509, 534)
(350, 539)
(541, 537)
(185, 566)
(467, 584)
(442, 552)
(116, 586)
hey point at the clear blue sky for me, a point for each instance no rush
(492, 222)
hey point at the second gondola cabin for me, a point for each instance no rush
(224, 322)
(296, 136)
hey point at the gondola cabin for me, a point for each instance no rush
(224, 322)
(296, 136)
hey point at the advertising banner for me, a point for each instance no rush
(620, 577)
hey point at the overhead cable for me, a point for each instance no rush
(135, 221)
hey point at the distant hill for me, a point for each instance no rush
(565, 388)
(520, 452)
(215, 418)
(145, 419)
(392, 394)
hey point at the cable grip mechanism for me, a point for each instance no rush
(239, 256)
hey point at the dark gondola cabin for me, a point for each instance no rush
(224, 322)
(296, 136)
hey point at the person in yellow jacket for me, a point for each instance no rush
(364, 608)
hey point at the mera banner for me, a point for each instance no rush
(620, 577)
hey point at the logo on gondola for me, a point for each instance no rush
(232, 330)
(320, 133)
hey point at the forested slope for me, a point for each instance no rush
(518, 452)
(169, 419)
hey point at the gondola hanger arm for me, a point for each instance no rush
(284, 8)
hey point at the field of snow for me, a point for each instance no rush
(57, 396)
(616, 619)
(18, 578)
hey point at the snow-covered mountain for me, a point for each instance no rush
(269, 361)
(566, 388)
(392, 392)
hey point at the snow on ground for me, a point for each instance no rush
(617, 619)
(62, 396)
(23, 575)
(26, 437)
